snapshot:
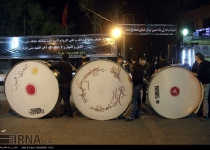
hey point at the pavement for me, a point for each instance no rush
(149, 129)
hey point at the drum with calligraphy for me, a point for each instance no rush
(101, 90)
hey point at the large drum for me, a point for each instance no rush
(174, 92)
(32, 89)
(101, 90)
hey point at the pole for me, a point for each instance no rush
(176, 46)
(123, 40)
(117, 39)
(123, 48)
(117, 14)
(66, 28)
(94, 20)
(24, 26)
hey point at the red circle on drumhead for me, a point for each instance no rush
(174, 91)
(30, 89)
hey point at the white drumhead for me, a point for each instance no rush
(101, 90)
(31, 89)
(174, 92)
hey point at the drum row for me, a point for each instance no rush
(100, 90)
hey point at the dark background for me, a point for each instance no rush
(144, 12)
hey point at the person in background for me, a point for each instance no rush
(65, 71)
(194, 67)
(163, 62)
(194, 70)
(144, 66)
(126, 65)
(84, 61)
(186, 65)
(203, 75)
(137, 79)
(120, 62)
(80, 60)
(130, 66)
(152, 62)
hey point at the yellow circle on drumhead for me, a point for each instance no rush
(31, 89)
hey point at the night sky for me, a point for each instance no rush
(144, 11)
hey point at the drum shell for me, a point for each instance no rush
(45, 83)
(169, 80)
(100, 92)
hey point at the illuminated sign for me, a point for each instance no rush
(205, 32)
(148, 29)
(95, 45)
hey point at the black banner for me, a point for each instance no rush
(29, 47)
(148, 29)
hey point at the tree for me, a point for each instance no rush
(11, 17)
(25, 17)
(35, 18)
(55, 28)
